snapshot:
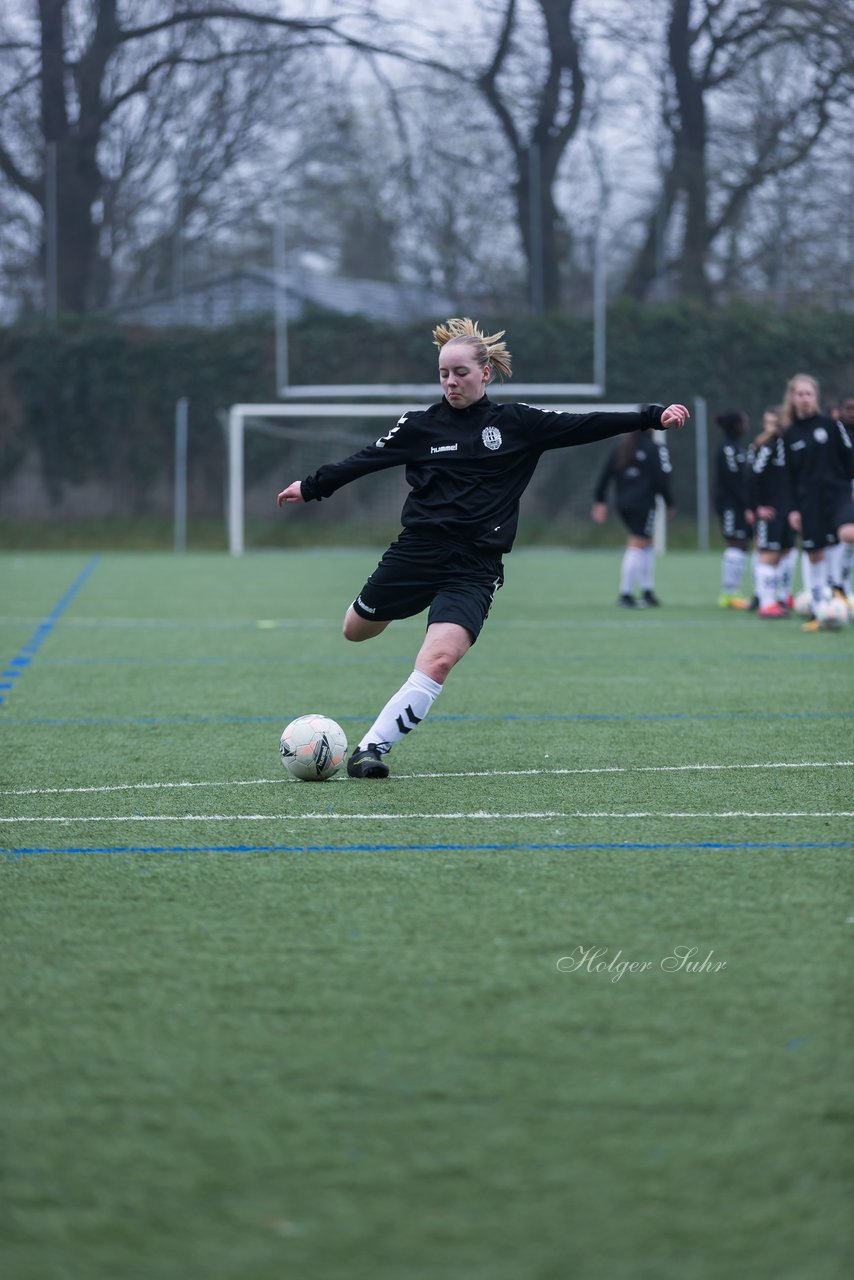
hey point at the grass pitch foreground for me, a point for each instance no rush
(256, 1028)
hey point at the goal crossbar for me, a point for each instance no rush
(240, 414)
(429, 391)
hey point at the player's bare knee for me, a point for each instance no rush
(436, 670)
(439, 664)
(357, 628)
(353, 627)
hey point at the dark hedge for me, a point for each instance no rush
(97, 402)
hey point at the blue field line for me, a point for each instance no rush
(624, 846)
(22, 659)
(348, 659)
(542, 718)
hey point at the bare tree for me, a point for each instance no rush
(538, 134)
(717, 108)
(95, 70)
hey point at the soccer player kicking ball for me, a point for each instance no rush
(468, 461)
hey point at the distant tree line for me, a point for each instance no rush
(87, 401)
(702, 145)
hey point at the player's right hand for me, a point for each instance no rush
(293, 493)
(675, 415)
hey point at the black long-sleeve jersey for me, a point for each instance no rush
(769, 481)
(820, 457)
(730, 487)
(468, 468)
(646, 475)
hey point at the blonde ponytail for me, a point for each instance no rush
(487, 348)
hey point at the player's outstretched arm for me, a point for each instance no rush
(675, 415)
(293, 493)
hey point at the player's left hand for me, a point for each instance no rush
(675, 415)
(293, 493)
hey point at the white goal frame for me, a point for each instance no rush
(238, 415)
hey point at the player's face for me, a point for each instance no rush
(846, 411)
(804, 398)
(462, 379)
(771, 424)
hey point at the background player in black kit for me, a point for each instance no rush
(820, 456)
(468, 461)
(640, 471)
(731, 504)
(770, 499)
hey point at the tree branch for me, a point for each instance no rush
(487, 81)
(30, 186)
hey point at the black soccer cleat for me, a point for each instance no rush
(651, 600)
(367, 763)
(626, 601)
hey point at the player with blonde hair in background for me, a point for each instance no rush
(820, 458)
(770, 501)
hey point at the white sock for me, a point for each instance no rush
(786, 570)
(403, 712)
(767, 583)
(647, 571)
(832, 557)
(818, 582)
(754, 573)
(846, 559)
(630, 571)
(806, 571)
(732, 570)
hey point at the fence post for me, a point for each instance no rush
(235, 481)
(701, 438)
(181, 474)
(659, 528)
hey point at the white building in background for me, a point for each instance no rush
(253, 291)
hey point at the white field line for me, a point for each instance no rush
(295, 624)
(213, 624)
(408, 817)
(485, 773)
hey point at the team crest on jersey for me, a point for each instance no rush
(820, 434)
(491, 437)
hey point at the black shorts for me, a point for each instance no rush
(733, 524)
(821, 519)
(639, 521)
(419, 572)
(773, 535)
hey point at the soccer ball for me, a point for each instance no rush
(833, 613)
(313, 747)
(803, 604)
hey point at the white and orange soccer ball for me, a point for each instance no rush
(313, 748)
(833, 613)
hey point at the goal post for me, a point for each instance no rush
(241, 415)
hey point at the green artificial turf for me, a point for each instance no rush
(260, 1029)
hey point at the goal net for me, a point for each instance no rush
(270, 445)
